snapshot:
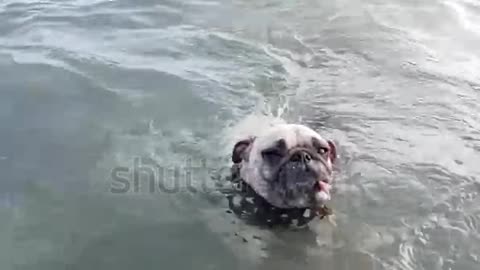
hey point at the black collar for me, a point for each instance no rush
(244, 202)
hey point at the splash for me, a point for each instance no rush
(266, 114)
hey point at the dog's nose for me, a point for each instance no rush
(301, 156)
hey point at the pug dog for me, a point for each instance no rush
(289, 167)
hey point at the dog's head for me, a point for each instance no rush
(290, 166)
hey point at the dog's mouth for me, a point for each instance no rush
(302, 187)
(321, 192)
(300, 177)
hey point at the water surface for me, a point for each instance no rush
(90, 86)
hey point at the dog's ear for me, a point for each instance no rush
(333, 151)
(241, 150)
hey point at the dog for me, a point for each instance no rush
(284, 172)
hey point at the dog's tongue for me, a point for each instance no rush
(322, 193)
(322, 186)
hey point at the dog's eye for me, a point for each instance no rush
(322, 150)
(271, 154)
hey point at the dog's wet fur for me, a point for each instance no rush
(279, 191)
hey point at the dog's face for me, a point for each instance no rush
(289, 165)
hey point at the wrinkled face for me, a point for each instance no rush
(289, 165)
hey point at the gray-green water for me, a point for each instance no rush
(87, 86)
